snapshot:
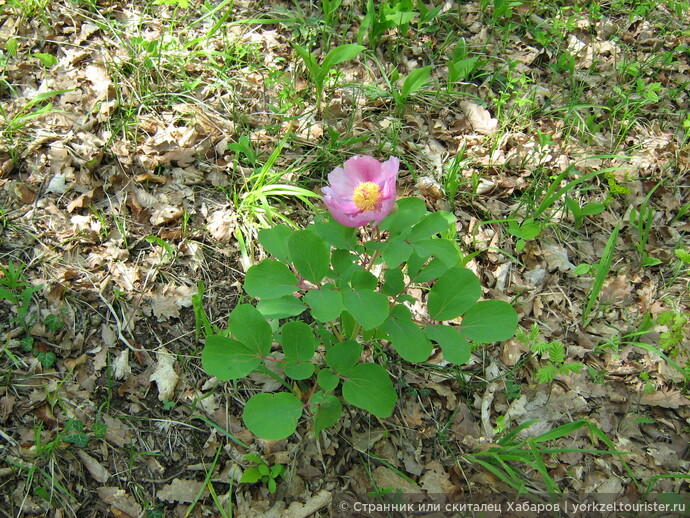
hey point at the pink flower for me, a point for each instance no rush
(361, 191)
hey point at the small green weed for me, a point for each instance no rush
(552, 355)
(642, 220)
(510, 455)
(262, 472)
(671, 340)
(320, 72)
(17, 291)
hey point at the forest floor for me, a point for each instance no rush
(130, 138)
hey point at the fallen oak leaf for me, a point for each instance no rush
(85, 199)
(181, 490)
(95, 468)
(670, 399)
(165, 376)
(479, 118)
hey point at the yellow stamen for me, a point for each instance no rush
(366, 196)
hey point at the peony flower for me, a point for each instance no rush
(361, 191)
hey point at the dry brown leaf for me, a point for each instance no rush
(556, 258)
(6, 406)
(436, 479)
(85, 199)
(670, 399)
(24, 193)
(166, 301)
(117, 432)
(480, 119)
(308, 508)
(616, 289)
(181, 490)
(385, 477)
(119, 499)
(164, 375)
(148, 177)
(221, 225)
(95, 468)
(121, 368)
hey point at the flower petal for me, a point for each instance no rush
(364, 169)
(342, 184)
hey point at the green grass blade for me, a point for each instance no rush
(602, 272)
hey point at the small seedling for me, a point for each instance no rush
(462, 66)
(642, 221)
(262, 472)
(414, 82)
(244, 150)
(525, 231)
(552, 355)
(672, 339)
(319, 73)
(17, 291)
(581, 212)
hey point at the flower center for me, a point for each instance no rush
(366, 196)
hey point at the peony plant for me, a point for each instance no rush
(333, 306)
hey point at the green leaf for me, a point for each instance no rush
(363, 280)
(27, 343)
(651, 261)
(228, 359)
(73, 426)
(454, 345)
(310, 254)
(342, 356)
(328, 411)
(490, 321)
(309, 60)
(327, 380)
(47, 359)
(338, 55)
(397, 251)
(409, 212)
(299, 346)
(432, 224)
(250, 476)
(272, 416)
(344, 264)
(11, 46)
(335, 234)
(592, 209)
(326, 303)
(249, 326)
(281, 307)
(274, 240)
(527, 230)
(53, 323)
(453, 294)
(394, 282)
(79, 439)
(417, 79)
(47, 60)
(368, 386)
(683, 255)
(406, 337)
(446, 251)
(269, 279)
(434, 270)
(299, 370)
(369, 308)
